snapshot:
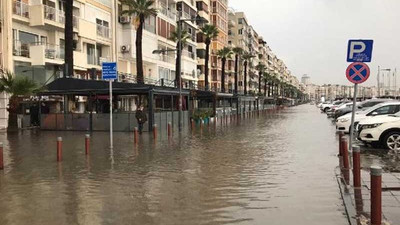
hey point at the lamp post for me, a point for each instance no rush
(379, 88)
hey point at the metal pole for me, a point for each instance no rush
(352, 117)
(178, 71)
(379, 90)
(111, 117)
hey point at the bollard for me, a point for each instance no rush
(345, 153)
(1, 156)
(192, 124)
(87, 144)
(59, 149)
(155, 131)
(136, 135)
(356, 167)
(346, 164)
(169, 129)
(376, 195)
(341, 134)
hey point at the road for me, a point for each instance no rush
(278, 169)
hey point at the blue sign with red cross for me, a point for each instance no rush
(357, 72)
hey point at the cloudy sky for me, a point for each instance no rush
(311, 36)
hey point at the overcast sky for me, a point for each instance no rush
(311, 36)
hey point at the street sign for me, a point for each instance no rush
(109, 71)
(357, 72)
(359, 50)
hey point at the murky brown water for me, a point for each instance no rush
(275, 170)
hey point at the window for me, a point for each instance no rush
(240, 21)
(91, 54)
(384, 110)
(240, 31)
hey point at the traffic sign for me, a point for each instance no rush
(109, 71)
(359, 50)
(357, 72)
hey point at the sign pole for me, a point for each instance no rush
(111, 116)
(352, 117)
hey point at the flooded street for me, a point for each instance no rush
(277, 169)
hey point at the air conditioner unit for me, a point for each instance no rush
(125, 48)
(124, 19)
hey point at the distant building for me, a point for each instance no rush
(305, 79)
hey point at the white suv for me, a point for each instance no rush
(383, 130)
(343, 123)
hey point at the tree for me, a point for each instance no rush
(68, 37)
(238, 52)
(266, 78)
(225, 53)
(261, 69)
(185, 36)
(210, 32)
(246, 57)
(17, 87)
(141, 9)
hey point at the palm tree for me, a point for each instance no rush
(210, 32)
(246, 57)
(225, 53)
(185, 36)
(17, 87)
(238, 52)
(141, 9)
(266, 78)
(261, 69)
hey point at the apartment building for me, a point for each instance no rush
(38, 38)
(159, 68)
(219, 18)
(203, 11)
(239, 37)
(253, 49)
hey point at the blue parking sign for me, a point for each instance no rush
(359, 50)
(109, 71)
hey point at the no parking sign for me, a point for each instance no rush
(357, 72)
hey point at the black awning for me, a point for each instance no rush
(66, 86)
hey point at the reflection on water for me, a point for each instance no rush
(274, 170)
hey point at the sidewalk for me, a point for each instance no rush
(357, 201)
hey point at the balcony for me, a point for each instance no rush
(167, 58)
(21, 49)
(21, 9)
(188, 54)
(51, 16)
(170, 12)
(54, 52)
(97, 61)
(103, 31)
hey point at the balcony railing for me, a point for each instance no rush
(188, 54)
(58, 16)
(54, 52)
(20, 49)
(103, 31)
(167, 58)
(21, 9)
(170, 13)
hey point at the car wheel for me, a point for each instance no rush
(392, 141)
(326, 109)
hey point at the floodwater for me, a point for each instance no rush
(279, 169)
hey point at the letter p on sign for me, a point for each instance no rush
(359, 50)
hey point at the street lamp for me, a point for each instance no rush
(379, 70)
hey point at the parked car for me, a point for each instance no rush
(343, 110)
(360, 106)
(381, 130)
(343, 123)
(327, 106)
